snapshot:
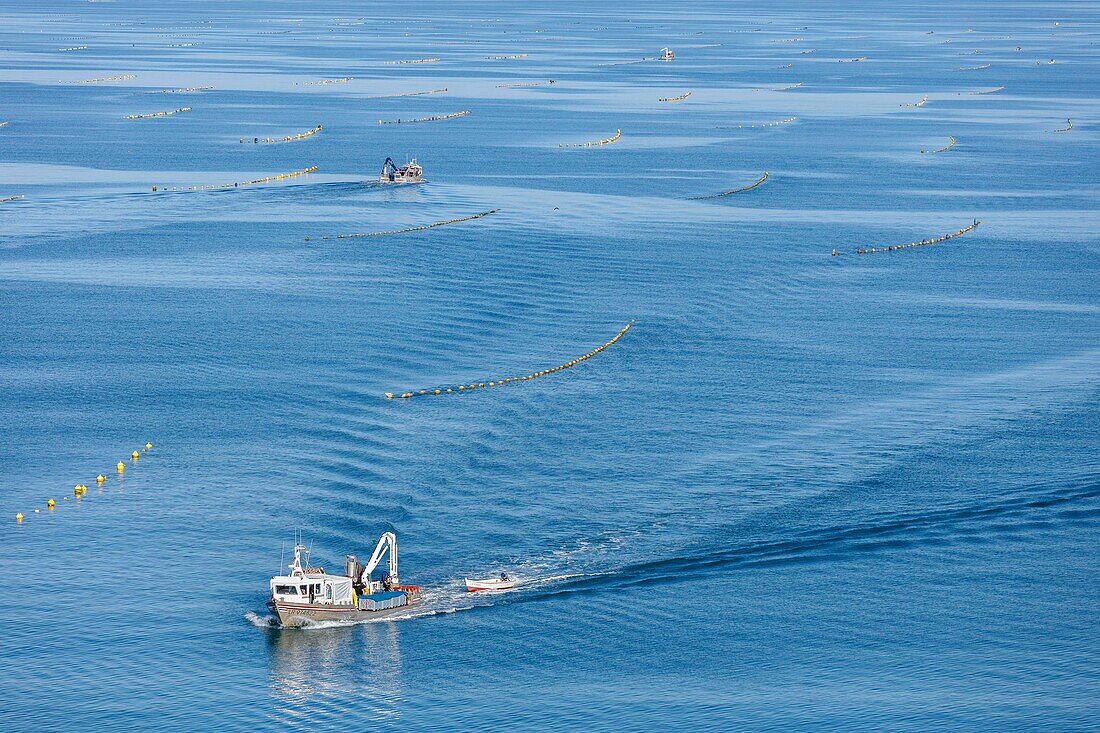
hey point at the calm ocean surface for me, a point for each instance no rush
(803, 492)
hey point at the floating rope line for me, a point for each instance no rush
(287, 139)
(220, 186)
(324, 82)
(410, 94)
(923, 101)
(513, 380)
(411, 61)
(950, 144)
(785, 66)
(751, 186)
(506, 58)
(784, 121)
(522, 85)
(188, 90)
(169, 113)
(973, 68)
(852, 61)
(680, 98)
(435, 118)
(183, 45)
(594, 143)
(410, 229)
(74, 48)
(1067, 128)
(11, 198)
(124, 77)
(787, 89)
(808, 51)
(990, 91)
(910, 245)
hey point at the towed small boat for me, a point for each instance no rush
(667, 54)
(501, 583)
(411, 172)
(308, 595)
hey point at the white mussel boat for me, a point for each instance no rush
(667, 54)
(501, 583)
(308, 595)
(411, 172)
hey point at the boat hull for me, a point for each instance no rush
(296, 615)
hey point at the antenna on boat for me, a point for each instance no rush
(282, 554)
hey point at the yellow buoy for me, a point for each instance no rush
(19, 517)
(134, 456)
(148, 446)
(50, 504)
(121, 467)
(100, 478)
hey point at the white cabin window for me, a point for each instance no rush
(286, 590)
(328, 592)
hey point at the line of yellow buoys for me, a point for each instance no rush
(950, 144)
(150, 115)
(594, 143)
(524, 85)
(73, 48)
(513, 380)
(80, 490)
(219, 186)
(323, 82)
(506, 58)
(910, 245)
(409, 229)
(923, 101)
(434, 118)
(789, 88)
(1067, 128)
(180, 91)
(10, 198)
(124, 77)
(777, 123)
(751, 186)
(973, 68)
(410, 94)
(288, 138)
(431, 60)
(680, 98)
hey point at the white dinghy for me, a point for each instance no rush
(501, 583)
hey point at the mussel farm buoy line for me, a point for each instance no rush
(410, 94)
(506, 58)
(101, 80)
(11, 198)
(522, 85)
(323, 82)
(411, 61)
(911, 245)
(406, 230)
(594, 143)
(150, 115)
(989, 91)
(751, 186)
(513, 380)
(435, 118)
(188, 90)
(789, 88)
(240, 184)
(289, 138)
(1067, 128)
(950, 144)
(680, 98)
(973, 68)
(923, 101)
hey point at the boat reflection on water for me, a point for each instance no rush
(335, 669)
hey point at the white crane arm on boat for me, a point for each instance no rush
(388, 541)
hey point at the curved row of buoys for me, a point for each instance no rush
(150, 115)
(950, 144)
(776, 123)
(973, 68)
(919, 103)
(73, 48)
(910, 245)
(506, 58)
(433, 118)
(852, 61)
(989, 91)
(789, 88)
(680, 98)
(512, 380)
(80, 490)
(1067, 128)
(594, 143)
(431, 60)
(187, 90)
(218, 186)
(522, 85)
(410, 94)
(410, 229)
(101, 80)
(289, 138)
(749, 187)
(323, 82)
(11, 198)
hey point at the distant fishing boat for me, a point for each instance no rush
(411, 172)
(501, 583)
(309, 594)
(667, 54)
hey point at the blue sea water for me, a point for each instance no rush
(803, 492)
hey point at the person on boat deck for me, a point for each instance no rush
(504, 576)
